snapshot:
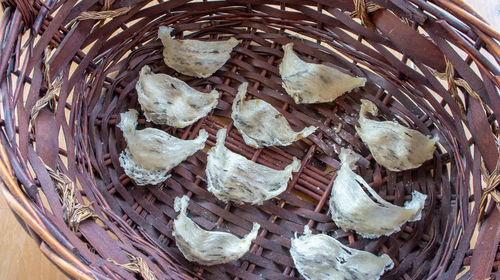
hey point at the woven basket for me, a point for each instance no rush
(68, 68)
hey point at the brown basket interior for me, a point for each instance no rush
(99, 66)
(256, 61)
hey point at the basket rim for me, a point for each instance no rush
(53, 244)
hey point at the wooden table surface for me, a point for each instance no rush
(21, 258)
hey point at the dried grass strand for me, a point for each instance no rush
(452, 87)
(492, 181)
(137, 265)
(100, 15)
(53, 90)
(74, 212)
(362, 9)
(107, 5)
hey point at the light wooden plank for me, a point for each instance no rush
(21, 258)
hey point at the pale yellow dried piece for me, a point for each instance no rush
(314, 83)
(193, 57)
(232, 177)
(392, 145)
(152, 152)
(168, 100)
(353, 209)
(207, 247)
(261, 125)
(321, 257)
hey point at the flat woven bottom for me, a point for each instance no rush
(255, 60)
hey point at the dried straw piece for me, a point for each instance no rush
(53, 90)
(107, 4)
(492, 181)
(362, 10)
(101, 14)
(137, 265)
(74, 212)
(452, 87)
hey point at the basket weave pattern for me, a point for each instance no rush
(69, 68)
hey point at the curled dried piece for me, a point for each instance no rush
(353, 209)
(207, 247)
(321, 257)
(193, 57)
(232, 177)
(261, 124)
(392, 145)
(167, 100)
(313, 83)
(152, 152)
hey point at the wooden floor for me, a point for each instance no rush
(19, 254)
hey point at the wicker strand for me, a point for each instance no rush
(362, 10)
(46, 65)
(468, 8)
(462, 83)
(54, 88)
(107, 5)
(452, 86)
(405, 20)
(49, 97)
(492, 181)
(74, 212)
(101, 14)
(137, 265)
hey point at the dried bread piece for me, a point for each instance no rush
(392, 145)
(321, 257)
(353, 209)
(168, 100)
(207, 247)
(151, 152)
(313, 83)
(261, 124)
(193, 57)
(232, 177)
